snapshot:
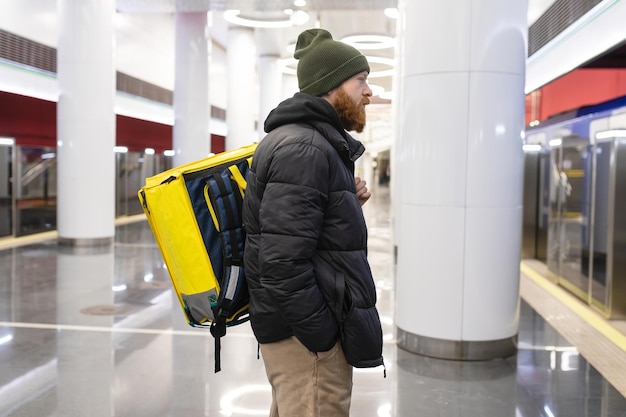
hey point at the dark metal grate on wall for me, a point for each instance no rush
(137, 87)
(23, 51)
(32, 54)
(26, 52)
(559, 16)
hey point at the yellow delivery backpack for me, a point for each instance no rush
(194, 212)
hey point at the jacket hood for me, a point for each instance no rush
(315, 111)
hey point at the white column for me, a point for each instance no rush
(270, 75)
(270, 87)
(242, 91)
(461, 161)
(192, 111)
(398, 135)
(86, 122)
(365, 169)
(289, 86)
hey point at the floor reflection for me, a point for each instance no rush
(100, 333)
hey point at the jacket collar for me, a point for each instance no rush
(315, 111)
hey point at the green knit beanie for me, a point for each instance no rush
(325, 63)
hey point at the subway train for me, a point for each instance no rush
(575, 203)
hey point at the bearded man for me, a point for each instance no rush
(312, 295)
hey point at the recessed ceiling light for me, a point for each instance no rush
(392, 12)
(298, 17)
(288, 66)
(370, 42)
(290, 18)
(387, 65)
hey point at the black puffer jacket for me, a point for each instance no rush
(306, 246)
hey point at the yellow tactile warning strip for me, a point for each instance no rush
(583, 311)
(12, 242)
(602, 345)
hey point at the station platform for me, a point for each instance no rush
(98, 332)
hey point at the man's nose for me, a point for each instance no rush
(368, 90)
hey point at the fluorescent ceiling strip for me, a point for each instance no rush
(615, 133)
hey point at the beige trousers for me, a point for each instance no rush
(304, 385)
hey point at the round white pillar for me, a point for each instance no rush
(270, 75)
(86, 122)
(461, 161)
(289, 86)
(242, 91)
(192, 111)
(270, 86)
(365, 169)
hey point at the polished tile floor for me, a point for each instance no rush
(99, 333)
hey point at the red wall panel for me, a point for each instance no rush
(218, 143)
(139, 134)
(29, 120)
(33, 122)
(578, 88)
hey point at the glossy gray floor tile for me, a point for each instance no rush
(98, 332)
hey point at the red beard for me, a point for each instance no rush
(352, 115)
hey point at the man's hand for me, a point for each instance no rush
(361, 190)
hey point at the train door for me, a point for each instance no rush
(543, 200)
(586, 234)
(536, 197)
(607, 259)
(536, 202)
(597, 258)
(6, 189)
(132, 169)
(529, 213)
(35, 190)
(570, 202)
(127, 183)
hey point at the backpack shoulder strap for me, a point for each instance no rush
(225, 189)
